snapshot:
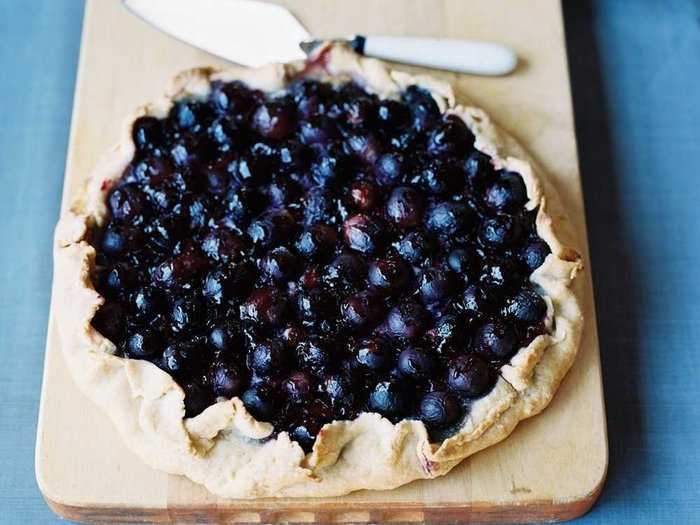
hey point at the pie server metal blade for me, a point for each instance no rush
(247, 32)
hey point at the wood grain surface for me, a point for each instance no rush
(551, 468)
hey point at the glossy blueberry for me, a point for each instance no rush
(373, 354)
(142, 344)
(500, 231)
(272, 227)
(180, 356)
(388, 168)
(345, 271)
(222, 245)
(197, 399)
(362, 310)
(447, 219)
(435, 285)
(147, 133)
(279, 264)
(313, 354)
(478, 168)
(439, 409)
(113, 240)
(470, 375)
(216, 286)
(450, 137)
(127, 203)
(364, 195)
(260, 401)
(339, 390)
(415, 363)
(495, 340)
(449, 333)
(478, 300)
(415, 247)
(298, 386)
(535, 253)
(407, 320)
(267, 357)
(405, 207)
(363, 234)
(265, 306)
(317, 242)
(462, 262)
(227, 380)
(314, 304)
(527, 307)
(507, 193)
(273, 120)
(148, 301)
(186, 313)
(388, 398)
(390, 274)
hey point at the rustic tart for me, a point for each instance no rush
(314, 278)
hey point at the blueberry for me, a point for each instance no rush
(317, 129)
(339, 390)
(439, 409)
(362, 310)
(216, 286)
(186, 313)
(439, 177)
(406, 320)
(388, 399)
(305, 434)
(279, 264)
(224, 339)
(298, 386)
(478, 300)
(272, 227)
(392, 115)
(405, 207)
(390, 274)
(148, 301)
(462, 262)
(449, 333)
(142, 344)
(317, 242)
(127, 203)
(113, 240)
(227, 380)
(345, 271)
(470, 375)
(527, 307)
(373, 354)
(500, 231)
(415, 363)
(267, 357)
(478, 168)
(447, 219)
(265, 306)
(535, 253)
(179, 357)
(320, 206)
(450, 137)
(313, 355)
(415, 247)
(273, 120)
(435, 285)
(495, 340)
(147, 133)
(222, 245)
(363, 234)
(283, 191)
(197, 399)
(244, 201)
(260, 401)
(501, 274)
(314, 304)
(118, 279)
(424, 109)
(363, 195)
(507, 193)
(388, 168)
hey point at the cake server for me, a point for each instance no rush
(254, 33)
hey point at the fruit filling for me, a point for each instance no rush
(319, 252)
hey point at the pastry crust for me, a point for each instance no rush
(224, 447)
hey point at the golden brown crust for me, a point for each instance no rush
(226, 449)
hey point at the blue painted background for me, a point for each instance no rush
(635, 69)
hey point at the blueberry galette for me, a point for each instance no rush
(314, 278)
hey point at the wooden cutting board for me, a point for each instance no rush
(551, 468)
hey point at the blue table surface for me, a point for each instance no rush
(635, 69)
